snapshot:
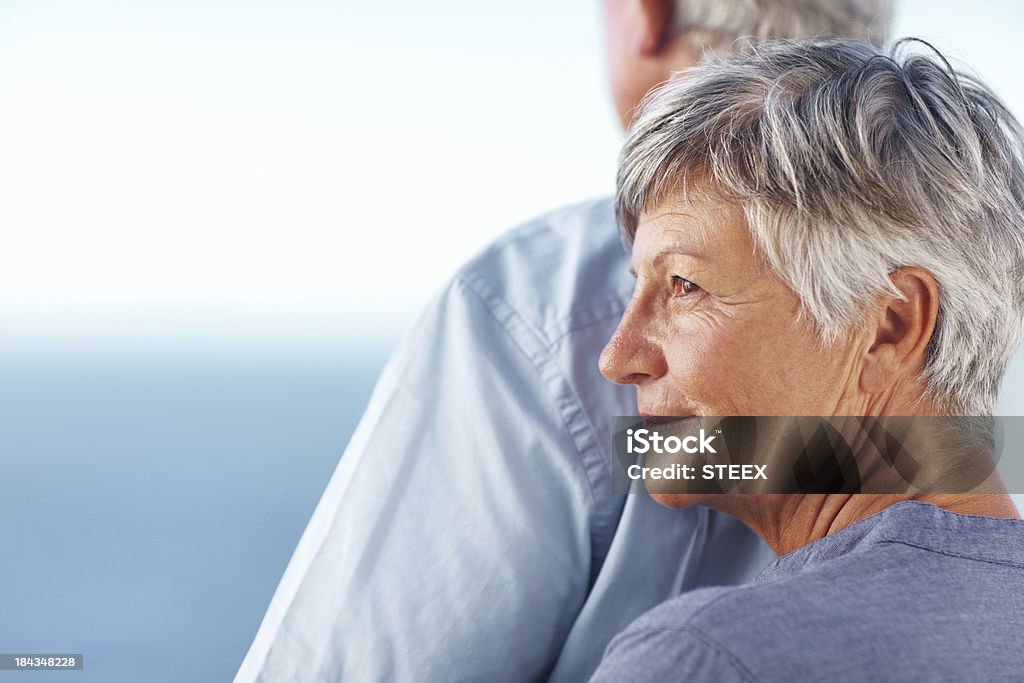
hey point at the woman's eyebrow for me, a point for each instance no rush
(677, 251)
(671, 251)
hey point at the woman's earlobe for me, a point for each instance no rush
(877, 370)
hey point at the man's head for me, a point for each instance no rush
(647, 40)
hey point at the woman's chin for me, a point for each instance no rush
(677, 500)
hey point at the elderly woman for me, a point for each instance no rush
(819, 229)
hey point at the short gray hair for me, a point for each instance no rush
(716, 24)
(850, 164)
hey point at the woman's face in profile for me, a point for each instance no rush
(712, 330)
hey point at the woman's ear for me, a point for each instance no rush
(902, 330)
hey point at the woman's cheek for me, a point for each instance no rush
(703, 368)
(733, 369)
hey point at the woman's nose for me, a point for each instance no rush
(633, 354)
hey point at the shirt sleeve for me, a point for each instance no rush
(452, 542)
(640, 655)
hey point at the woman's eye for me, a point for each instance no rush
(683, 286)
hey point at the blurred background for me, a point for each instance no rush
(218, 216)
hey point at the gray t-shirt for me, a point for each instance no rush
(911, 593)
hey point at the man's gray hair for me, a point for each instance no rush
(850, 164)
(716, 24)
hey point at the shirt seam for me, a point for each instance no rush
(948, 553)
(540, 359)
(734, 661)
(619, 306)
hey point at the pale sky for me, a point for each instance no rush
(210, 167)
(196, 165)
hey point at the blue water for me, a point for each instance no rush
(150, 502)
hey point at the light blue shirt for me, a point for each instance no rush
(470, 531)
